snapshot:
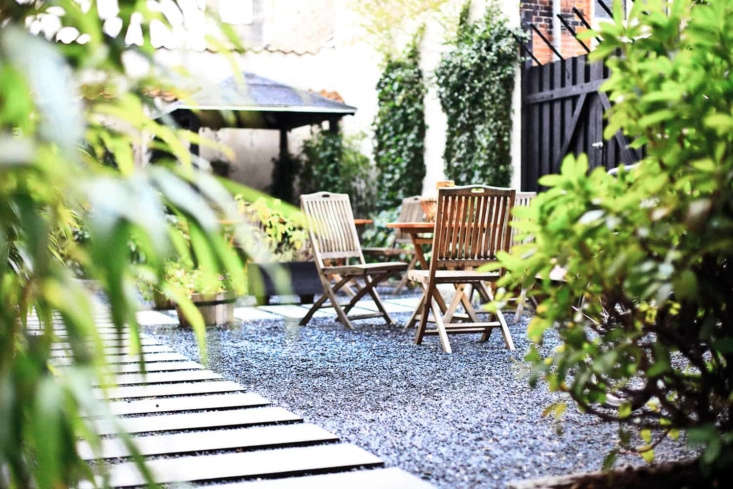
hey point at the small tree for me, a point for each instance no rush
(644, 315)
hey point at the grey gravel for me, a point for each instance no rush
(466, 420)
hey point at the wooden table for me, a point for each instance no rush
(418, 232)
(362, 222)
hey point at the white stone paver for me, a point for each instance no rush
(156, 318)
(288, 311)
(253, 314)
(296, 311)
(391, 307)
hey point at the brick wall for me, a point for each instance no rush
(540, 13)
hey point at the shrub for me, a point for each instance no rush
(475, 83)
(399, 129)
(644, 316)
(333, 163)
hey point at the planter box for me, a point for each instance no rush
(217, 310)
(304, 281)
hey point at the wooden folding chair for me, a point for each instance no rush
(335, 242)
(471, 227)
(522, 199)
(410, 211)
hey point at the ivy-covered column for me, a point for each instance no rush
(475, 84)
(399, 128)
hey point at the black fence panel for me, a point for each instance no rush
(562, 113)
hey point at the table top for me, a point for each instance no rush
(422, 227)
(362, 221)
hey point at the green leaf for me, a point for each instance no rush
(647, 455)
(609, 460)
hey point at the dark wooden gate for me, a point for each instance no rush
(562, 113)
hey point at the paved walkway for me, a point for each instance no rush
(193, 426)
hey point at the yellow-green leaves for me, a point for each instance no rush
(641, 313)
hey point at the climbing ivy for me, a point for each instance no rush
(321, 160)
(399, 128)
(475, 81)
(332, 162)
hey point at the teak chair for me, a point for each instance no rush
(334, 239)
(471, 227)
(410, 211)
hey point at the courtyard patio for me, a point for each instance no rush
(464, 420)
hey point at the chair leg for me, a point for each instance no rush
(377, 300)
(326, 296)
(453, 306)
(520, 304)
(339, 311)
(440, 325)
(357, 296)
(505, 330)
(466, 300)
(403, 282)
(502, 321)
(416, 313)
(420, 332)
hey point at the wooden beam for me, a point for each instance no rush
(571, 91)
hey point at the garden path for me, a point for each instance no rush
(193, 426)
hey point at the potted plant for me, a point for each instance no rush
(285, 265)
(209, 291)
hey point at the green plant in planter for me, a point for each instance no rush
(475, 83)
(282, 231)
(644, 313)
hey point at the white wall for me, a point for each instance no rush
(336, 61)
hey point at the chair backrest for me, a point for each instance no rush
(331, 226)
(410, 211)
(522, 199)
(471, 226)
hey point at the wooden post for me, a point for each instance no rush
(283, 143)
(333, 125)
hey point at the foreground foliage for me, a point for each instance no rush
(475, 83)
(70, 116)
(399, 128)
(644, 316)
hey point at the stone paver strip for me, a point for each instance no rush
(389, 478)
(152, 357)
(285, 461)
(200, 420)
(166, 377)
(162, 390)
(253, 314)
(188, 403)
(200, 441)
(124, 368)
(111, 350)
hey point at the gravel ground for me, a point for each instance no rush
(465, 420)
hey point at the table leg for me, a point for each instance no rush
(418, 251)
